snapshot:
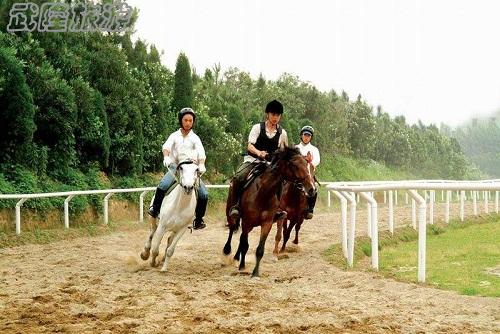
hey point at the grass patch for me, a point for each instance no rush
(463, 257)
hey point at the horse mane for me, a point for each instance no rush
(286, 154)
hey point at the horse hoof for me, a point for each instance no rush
(163, 270)
(153, 261)
(145, 255)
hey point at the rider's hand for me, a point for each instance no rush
(202, 169)
(262, 154)
(167, 161)
(309, 157)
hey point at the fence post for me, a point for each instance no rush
(413, 214)
(474, 202)
(343, 221)
(421, 234)
(18, 215)
(496, 201)
(486, 196)
(66, 210)
(374, 228)
(432, 195)
(447, 207)
(106, 198)
(391, 212)
(368, 218)
(352, 208)
(141, 206)
(462, 204)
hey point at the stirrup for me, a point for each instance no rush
(279, 215)
(234, 213)
(200, 225)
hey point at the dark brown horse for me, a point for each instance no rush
(294, 202)
(260, 201)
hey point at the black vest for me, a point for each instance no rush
(264, 143)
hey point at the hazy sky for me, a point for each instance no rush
(437, 61)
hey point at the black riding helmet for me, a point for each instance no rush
(185, 111)
(275, 107)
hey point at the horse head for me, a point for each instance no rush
(295, 169)
(188, 175)
(188, 171)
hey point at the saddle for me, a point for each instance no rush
(256, 170)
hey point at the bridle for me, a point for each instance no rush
(178, 168)
(296, 182)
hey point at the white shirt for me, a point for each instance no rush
(254, 134)
(177, 142)
(305, 148)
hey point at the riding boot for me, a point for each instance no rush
(234, 211)
(201, 207)
(154, 210)
(311, 201)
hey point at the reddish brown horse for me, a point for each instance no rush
(294, 202)
(260, 202)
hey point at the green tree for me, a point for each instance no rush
(17, 126)
(92, 140)
(183, 84)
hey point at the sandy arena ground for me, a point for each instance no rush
(100, 285)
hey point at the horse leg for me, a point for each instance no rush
(227, 247)
(155, 249)
(277, 238)
(242, 249)
(264, 231)
(153, 223)
(297, 229)
(286, 234)
(169, 250)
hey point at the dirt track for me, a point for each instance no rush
(100, 285)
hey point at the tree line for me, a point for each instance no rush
(480, 141)
(98, 101)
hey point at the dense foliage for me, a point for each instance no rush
(79, 104)
(480, 141)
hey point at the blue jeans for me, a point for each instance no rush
(168, 179)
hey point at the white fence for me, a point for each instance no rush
(346, 192)
(70, 194)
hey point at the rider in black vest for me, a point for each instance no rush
(264, 138)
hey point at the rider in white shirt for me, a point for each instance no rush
(179, 141)
(311, 153)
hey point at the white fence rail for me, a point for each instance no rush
(347, 193)
(70, 194)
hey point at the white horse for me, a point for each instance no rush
(176, 213)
